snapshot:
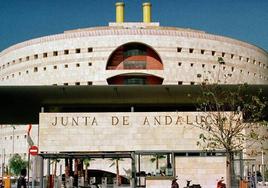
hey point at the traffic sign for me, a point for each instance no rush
(33, 150)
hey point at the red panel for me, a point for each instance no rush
(151, 57)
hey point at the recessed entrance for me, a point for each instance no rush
(131, 57)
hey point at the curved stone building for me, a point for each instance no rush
(128, 53)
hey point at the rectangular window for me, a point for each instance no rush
(66, 84)
(13, 75)
(232, 69)
(77, 50)
(55, 67)
(66, 66)
(179, 64)
(134, 64)
(247, 59)
(77, 65)
(55, 53)
(179, 49)
(89, 83)
(240, 58)
(134, 52)
(90, 50)
(27, 72)
(191, 64)
(223, 54)
(27, 58)
(44, 68)
(66, 52)
(180, 82)
(77, 83)
(89, 64)
(135, 81)
(20, 60)
(203, 65)
(232, 56)
(191, 50)
(213, 53)
(192, 83)
(44, 55)
(35, 56)
(202, 51)
(35, 69)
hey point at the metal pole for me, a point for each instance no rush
(3, 163)
(48, 172)
(133, 169)
(139, 168)
(33, 171)
(41, 171)
(13, 128)
(28, 167)
(173, 164)
(38, 131)
(262, 167)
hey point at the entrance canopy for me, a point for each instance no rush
(82, 155)
(22, 104)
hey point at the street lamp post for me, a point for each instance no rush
(13, 133)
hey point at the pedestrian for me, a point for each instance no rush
(174, 183)
(22, 181)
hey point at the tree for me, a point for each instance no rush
(116, 163)
(16, 164)
(87, 164)
(236, 118)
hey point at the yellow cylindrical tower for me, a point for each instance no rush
(119, 12)
(146, 12)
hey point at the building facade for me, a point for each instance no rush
(124, 53)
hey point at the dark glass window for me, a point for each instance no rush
(134, 65)
(135, 81)
(134, 50)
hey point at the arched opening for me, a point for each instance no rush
(134, 56)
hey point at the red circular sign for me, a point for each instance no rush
(33, 150)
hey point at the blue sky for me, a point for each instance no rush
(21, 20)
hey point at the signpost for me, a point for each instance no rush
(33, 150)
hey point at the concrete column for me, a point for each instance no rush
(48, 172)
(133, 170)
